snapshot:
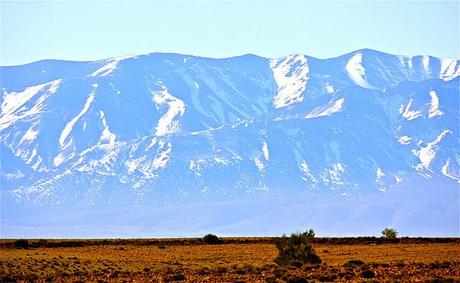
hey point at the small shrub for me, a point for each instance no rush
(354, 262)
(221, 270)
(271, 279)
(246, 269)
(204, 271)
(296, 263)
(327, 277)
(21, 244)
(310, 267)
(368, 274)
(437, 264)
(389, 233)
(296, 248)
(211, 239)
(310, 233)
(42, 243)
(174, 277)
(279, 272)
(441, 280)
(296, 279)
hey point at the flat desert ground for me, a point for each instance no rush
(233, 260)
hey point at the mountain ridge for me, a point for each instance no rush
(369, 50)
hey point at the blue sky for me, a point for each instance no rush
(89, 30)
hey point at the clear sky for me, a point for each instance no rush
(89, 30)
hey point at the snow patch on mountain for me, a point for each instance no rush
(331, 108)
(101, 162)
(133, 164)
(404, 140)
(450, 69)
(53, 86)
(168, 123)
(14, 100)
(407, 113)
(198, 165)
(307, 175)
(163, 155)
(334, 175)
(69, 126)
(455, 175)
(14, 176)
(12, 108)
(221, 160)
(59, 159)
(356, 71)
(107, 137)
(207, 132)
(194, 167)
(30, 135)
(110, 66)
(291, 76)
(434, 105)
(426, 63)
(265, 151)
(259, 164)
(379, 174)
(405, 61)
(427, 154)
(329, 88)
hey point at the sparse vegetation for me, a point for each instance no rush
(234, 260)
(367, 273)
(296, 250)
(310, 234)
(389, 233)
(211, 239)
(21, 244)
(354, 262)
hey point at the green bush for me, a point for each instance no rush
(389, 233)
(296, 249)
(211, 239)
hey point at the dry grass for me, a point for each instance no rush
(231, 262)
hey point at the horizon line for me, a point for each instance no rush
(127, 56)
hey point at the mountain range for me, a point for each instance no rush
(177, 145)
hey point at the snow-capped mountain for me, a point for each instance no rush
(160, 129)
